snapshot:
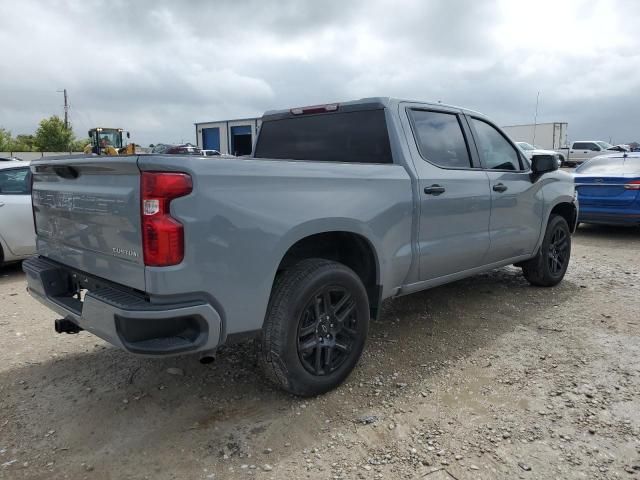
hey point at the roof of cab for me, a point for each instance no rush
(369, 103)
(14, 164)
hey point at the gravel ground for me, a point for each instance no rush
(484, 378)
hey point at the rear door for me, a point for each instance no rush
(516, 202)
(87, 216)
(16, 220)
(455, 202)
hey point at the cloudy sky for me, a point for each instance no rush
(156, 67)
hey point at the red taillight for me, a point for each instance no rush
(162, 235)
(315, 109)
(632, 185)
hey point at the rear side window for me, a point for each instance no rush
(15, 182)
(360, 137)
(440, 139)
(495, 151)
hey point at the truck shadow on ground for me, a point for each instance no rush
(107, 400)
(11, 272)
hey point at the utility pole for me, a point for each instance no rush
(535, 119)
(66, 108)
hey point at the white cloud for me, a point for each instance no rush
(155, 67)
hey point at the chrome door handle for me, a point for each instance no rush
(1, 204)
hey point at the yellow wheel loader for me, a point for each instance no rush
(109, 141)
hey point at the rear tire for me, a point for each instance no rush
(315, 328)
(549, 266)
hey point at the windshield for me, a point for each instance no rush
(604, 145)
(525, 146)
(109, 138)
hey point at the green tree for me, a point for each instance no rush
(23, 143)
(5, 140)
(78, 145)
(52, 136)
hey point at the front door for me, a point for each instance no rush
(455, 202)
(516, 201)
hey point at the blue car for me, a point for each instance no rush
(609, 189)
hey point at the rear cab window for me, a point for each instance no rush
(359, 136)
(585, 146)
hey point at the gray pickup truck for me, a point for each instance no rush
(340, 207)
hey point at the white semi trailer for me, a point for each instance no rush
(549, 136)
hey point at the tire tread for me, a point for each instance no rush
(274, 367)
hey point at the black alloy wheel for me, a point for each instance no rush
(558, 251)
(327, 330)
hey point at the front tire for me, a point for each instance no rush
(315, 328)
(562, 161)
(549, 266)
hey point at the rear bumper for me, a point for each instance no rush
(121, 316)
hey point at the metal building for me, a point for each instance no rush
(235, 137)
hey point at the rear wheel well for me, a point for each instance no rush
(568, 212)
(348, 248)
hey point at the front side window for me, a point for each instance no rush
(495, 151)
(440, 139)
(15, 182)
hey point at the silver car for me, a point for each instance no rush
(17, 236)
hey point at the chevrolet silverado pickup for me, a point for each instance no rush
(340, 207)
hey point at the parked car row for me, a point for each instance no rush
(183, 149)
(582, 150)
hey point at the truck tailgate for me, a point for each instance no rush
(87, 216)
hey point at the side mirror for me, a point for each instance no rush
(90, 134)
(128, 135)
(543, 163)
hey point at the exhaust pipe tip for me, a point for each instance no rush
(207, 358)
(63, 325)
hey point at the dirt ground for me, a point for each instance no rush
(484, 378)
